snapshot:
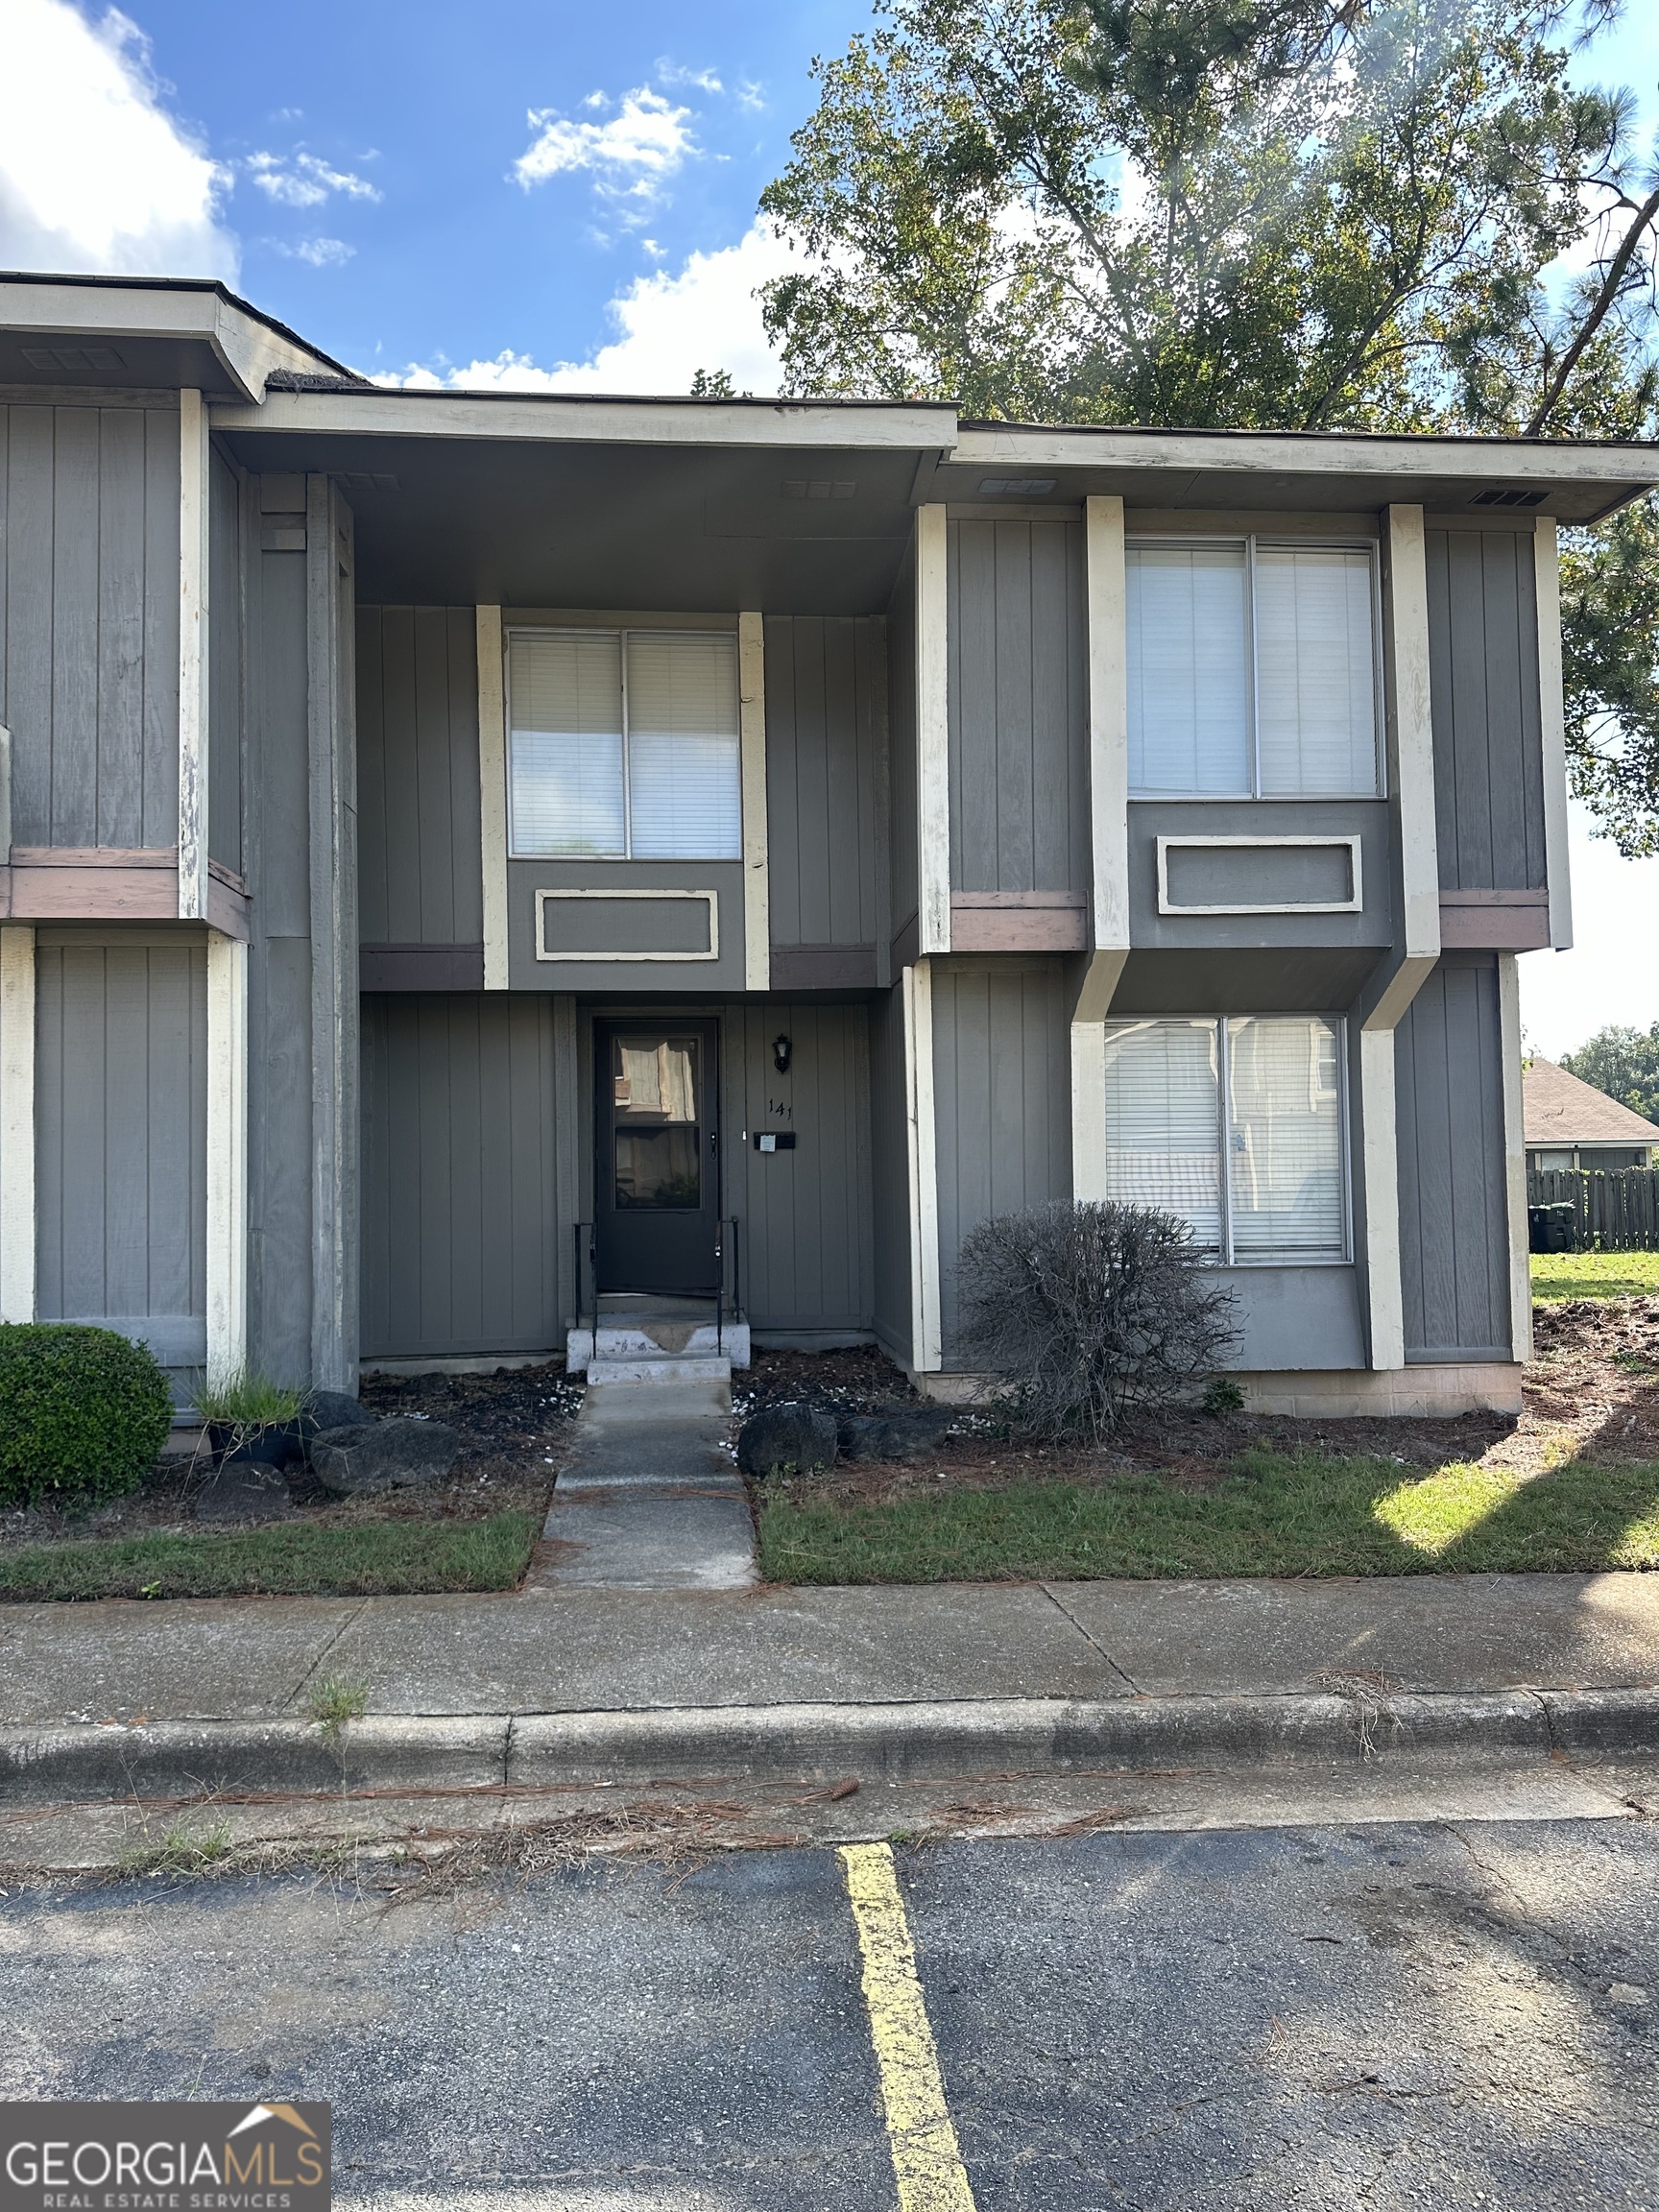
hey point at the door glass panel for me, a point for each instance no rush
(655, 1084)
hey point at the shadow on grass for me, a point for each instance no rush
(1270, 1513)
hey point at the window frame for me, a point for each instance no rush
(1254, 540)
(1224, 1254)
(622, 633)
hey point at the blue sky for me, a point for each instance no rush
(509, 193)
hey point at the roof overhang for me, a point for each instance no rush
(145, 333)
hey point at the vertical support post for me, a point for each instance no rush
(194, 458)
(751, 750)
(925, 1346)
(1088, 1112)
(1558, 871)
(18, 1230)
(932, 731)
(1409, 739)
(332, 728)
(1379, 1170)
(493, 793)
(227, 1157)
(1515, 1157)
(1108, 754)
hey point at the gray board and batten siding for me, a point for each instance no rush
(1485, 701)
(903, 893)
(121, 1046)
(1448, 1118)
(90, 621)
(1150, 819)
(226, 621)
(421, 887)
(1017, 700)
(826, 747)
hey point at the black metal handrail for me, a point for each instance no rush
(728, 1221)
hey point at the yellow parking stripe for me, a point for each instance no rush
(926, 2159)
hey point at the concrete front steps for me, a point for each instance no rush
(642, 1338)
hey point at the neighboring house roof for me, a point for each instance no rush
(1559, 1109)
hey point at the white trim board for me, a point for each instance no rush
(926, 1353)
(194, 461)
(226, 1206)
(1380, 1172)
(1410, 737)
(751, 755)
(932, 731)
(493, 794)
(1108, 657)
(1515, 1158)
(18, 1230)
(712, 898)
(906, 426)
(1352, 905)
(1558, 869)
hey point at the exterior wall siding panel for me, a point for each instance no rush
(1002, 1078)
(462, 1232)
(89, 622)
(1484, 699)
(225, 665)
(825, 723)
(1449, 1103)
(121, 1041)
(417, 833)
(1018, 707)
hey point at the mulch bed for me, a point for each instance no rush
(514, 1427)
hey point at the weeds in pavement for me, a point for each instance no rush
(334, 1700)
(180, 1850)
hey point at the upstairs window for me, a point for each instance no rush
(1252, 670)
(1237, 1125)
(623, 745)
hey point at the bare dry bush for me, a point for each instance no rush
(1089, 1313)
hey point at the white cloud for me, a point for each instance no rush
(94, 173)
(633, 154)
(320, 253)
(674, 73)
(668, 327)
(1610, 975)
(304, 181)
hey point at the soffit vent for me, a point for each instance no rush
(365, 480)
(1508, 498)
(1016, 487)
(74, 360)
(817, 488)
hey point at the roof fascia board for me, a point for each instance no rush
(789, 423)
(247, 350)
(1247, 452)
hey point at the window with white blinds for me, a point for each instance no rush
(1252, 670)
(624, 744)
(1262, 1094)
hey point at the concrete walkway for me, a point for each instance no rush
(593, 1650)
(650, 1499)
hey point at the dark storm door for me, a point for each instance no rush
(657, 1200)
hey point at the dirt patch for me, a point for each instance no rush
(1593, 1391)
(514, 1426)
(858, 1379)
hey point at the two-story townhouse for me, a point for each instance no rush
(477, 860)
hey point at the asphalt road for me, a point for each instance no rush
(1287, 2019)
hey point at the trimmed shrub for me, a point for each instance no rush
(1089, 1312)
(83, 1412)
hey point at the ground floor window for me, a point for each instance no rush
(1236, 1123)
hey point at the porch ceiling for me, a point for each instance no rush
(650, 526)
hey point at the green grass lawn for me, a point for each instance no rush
(1270, 1514)
(1557, 1275)
(367, 1558)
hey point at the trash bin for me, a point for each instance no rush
(1552, 1228)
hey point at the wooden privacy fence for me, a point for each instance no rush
(1618, 1212)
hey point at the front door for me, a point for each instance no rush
(657, 1200)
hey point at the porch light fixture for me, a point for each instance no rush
(781, 1051)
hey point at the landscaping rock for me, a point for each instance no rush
(897, 1435)
(334, 1409)
(396, 1455)
(243, 1490)
(777, 1436)
(274, 1446)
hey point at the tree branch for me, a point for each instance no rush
(1613, 283)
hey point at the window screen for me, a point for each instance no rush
(1251, 670)
(1315, 671)
(1189, 669)
(1263, 1091)
(624, 744)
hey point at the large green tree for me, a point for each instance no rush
(1292, 214)
(1625, 1063)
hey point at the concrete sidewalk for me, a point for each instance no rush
(551, 1686)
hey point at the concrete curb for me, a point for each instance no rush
(891, 1743)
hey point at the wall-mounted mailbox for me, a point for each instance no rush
(774, 1139)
